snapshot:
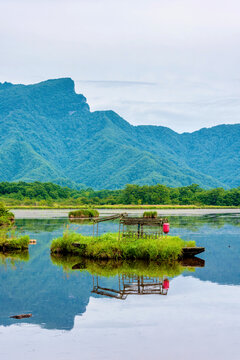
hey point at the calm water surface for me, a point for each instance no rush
(198, 318)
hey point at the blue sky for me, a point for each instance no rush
(165, 62)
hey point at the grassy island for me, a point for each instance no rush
(109, 246)
(83, 214)
(11, 242)
(14, 244)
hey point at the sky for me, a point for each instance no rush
(172, 63)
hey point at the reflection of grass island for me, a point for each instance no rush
(14, 256)
(83, 214)
(111, 246)
(110, 267)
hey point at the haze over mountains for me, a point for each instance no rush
(48, 133)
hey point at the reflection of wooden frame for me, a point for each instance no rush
(131, 285)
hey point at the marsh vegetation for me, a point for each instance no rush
(83, 214)
(111, 246)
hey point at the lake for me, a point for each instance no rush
(86, 310)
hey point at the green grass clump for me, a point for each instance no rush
(150, 214)
(83, 213)
(6, 217)
(109, 246)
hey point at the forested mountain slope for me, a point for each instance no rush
(49, 134)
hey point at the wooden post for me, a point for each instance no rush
(93, 229)
(97, 230)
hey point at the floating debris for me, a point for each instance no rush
(22, 316)
(32, 241)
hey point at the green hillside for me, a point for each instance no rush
(49, 134)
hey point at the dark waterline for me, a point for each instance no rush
(200, 305)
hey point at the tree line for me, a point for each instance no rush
(47, 193)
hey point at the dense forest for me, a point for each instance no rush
(49, 194)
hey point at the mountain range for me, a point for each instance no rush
(48, 133)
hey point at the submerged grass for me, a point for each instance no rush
(109, 246)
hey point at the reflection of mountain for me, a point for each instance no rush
(222, 256)
(221, 239)
(39, 225)
(195, 223)
(42, 289)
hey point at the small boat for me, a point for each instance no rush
(191, 251)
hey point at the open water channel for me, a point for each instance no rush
(84, 310)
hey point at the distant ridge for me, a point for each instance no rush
(49, 134)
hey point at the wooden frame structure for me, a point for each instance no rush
(140, 222)
(125, 220)
(96, 221)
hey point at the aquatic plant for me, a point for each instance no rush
(150, 214)
(109, 246)
(83, 213)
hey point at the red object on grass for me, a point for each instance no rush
(166, 228)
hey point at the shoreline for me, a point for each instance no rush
(63, 213)
(137, 207)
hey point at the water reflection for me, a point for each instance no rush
(14, 258)
(130, 278)
(55, 290)
(132, 285)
